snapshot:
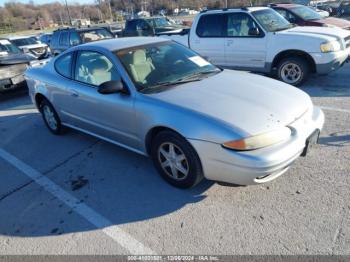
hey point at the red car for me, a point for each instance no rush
(306, 16)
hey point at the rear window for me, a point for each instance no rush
(95, 35)
(63, 65)
(211, 26)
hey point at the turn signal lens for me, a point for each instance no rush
(260, 141)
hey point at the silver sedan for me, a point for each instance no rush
(160, 99)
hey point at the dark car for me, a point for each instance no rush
(150, 26)
(13, 63)
(306, 16)
(63, 39)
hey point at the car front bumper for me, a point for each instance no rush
(261, 165)
(328, 62)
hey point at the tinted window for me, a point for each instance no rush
(95, 35)
(211, 26)
(64, 39)
(74, 38)
(131, 25)
(54, 40)
(94, 69)
(238, 24)
(63, 65)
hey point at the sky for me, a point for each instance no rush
(38, 2)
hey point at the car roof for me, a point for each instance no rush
(79, 29)
(285, 5)
(123, 43)
(19, 37)
(242, 9)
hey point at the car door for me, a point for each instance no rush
(110, 116)
(209, 39)
(245, 42)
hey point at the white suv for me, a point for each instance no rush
(259, 39)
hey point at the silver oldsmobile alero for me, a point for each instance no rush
(195, 120)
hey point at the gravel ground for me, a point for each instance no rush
(74, 194)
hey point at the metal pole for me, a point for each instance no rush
(70, 19)
(225, 3)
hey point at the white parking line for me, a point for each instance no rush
(335, 109)
(113, 231)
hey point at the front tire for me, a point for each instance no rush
(176, 160)
(51, 118)
(293, 70)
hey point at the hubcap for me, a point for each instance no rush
(50, 117)
(291, 73)
(173, 161)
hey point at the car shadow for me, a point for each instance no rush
(120, 185)
(338, 139)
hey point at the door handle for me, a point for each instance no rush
(73, 93)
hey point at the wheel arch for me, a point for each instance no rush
(153, 132)
(39, 97)
(294, 53)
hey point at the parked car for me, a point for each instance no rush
(46, 38)
(322, 13)
(258, 39)
(160, 99)
(62, 39)
(150, 26)
(305, 16)
(30, 45)
(13, 63)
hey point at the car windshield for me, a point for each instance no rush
(162, 21)
(271, 20)
(7, 46)
(157, 66)
(95, 35)
(24, 41)
(306, 13)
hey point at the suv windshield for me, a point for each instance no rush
(7, 46)
(24, 41)
(271, 20)
(95, 35)
(162, 21)
(156, 66)
(306, 13)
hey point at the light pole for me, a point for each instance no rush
(225, 3)
(70, 19)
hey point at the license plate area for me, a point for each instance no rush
(310, 141)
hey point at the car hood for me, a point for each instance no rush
(342, 23)
(33, 46)
(251, 103)
(321, 31)
(19, 58)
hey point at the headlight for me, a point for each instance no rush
(333, 46)
(260, 141)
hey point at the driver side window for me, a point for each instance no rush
(239, 24)
(94, 68)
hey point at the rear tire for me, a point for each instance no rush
(50, 117)
(176, 160)
(293, 70)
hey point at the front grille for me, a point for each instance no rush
(12, 70)
(39, 50)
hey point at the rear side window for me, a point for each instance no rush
(131, 25)
(64, 39)
(63, 65)
(211, 26)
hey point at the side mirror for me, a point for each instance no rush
(75, 42)
(111, 87)
(254, 31)
(25, 50)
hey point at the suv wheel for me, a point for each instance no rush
(50, 117)
(293, 70)
(176, 160)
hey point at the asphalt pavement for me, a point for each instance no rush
(74, 194)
